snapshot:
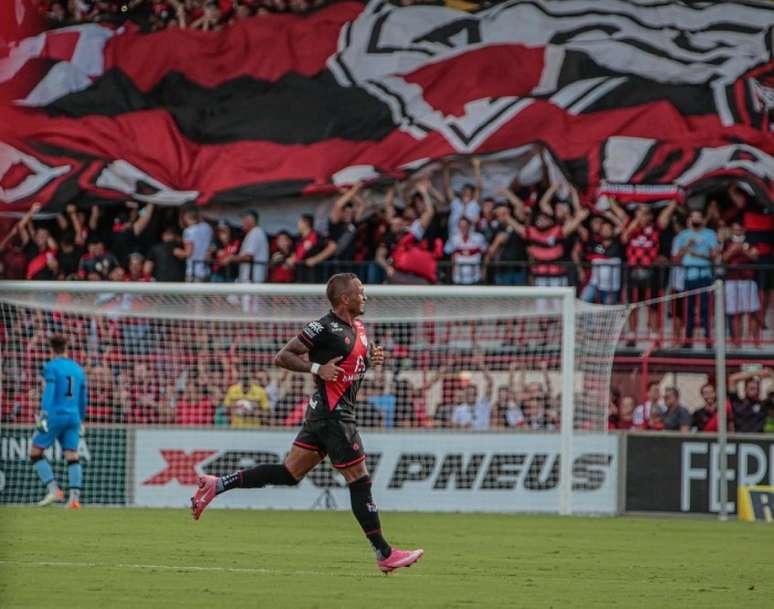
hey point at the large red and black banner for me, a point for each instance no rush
(640, 98)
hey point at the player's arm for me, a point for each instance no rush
(289, 357)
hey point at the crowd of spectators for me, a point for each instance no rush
(747, 411)
(415, 233)
(155, 15)
(202, 386)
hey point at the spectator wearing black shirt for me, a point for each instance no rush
(488, 224)
(750, 410)
(96, 259)
(508, 249)
(606, 256)
(73, 225)
(223, 248)
(166, 260)
(130, 231)
(342, 219)
(676, 417)
(41, 252)
(69, 256)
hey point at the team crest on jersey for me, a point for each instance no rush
(346, 340)
(313, 328)
(334, 326)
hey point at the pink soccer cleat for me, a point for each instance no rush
(203, 495)
(399, 558)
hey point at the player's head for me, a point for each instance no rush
(344, 290)
(58, 344)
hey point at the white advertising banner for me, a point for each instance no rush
(425, 471)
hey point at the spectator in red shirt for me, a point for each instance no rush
(280, 271)
(642, 238)
(13, 244)
(137, 268)
(195, 407)
(405, 255)
(545, 245)
(706, 417)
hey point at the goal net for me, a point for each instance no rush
(470, 411)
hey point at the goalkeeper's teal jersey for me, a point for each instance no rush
(65, 391)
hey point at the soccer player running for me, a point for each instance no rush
(63, 408)
(338, 357)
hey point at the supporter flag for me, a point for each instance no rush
(639, 99)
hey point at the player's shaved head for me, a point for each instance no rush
(339, 285)
(58, 343)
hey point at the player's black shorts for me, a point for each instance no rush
(340, 440)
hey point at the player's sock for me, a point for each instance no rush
(256, 477)
(46, 474)
(74, 475)
(367, 515)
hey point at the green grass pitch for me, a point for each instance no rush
(138, 558)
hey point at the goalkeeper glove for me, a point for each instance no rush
(41, 422)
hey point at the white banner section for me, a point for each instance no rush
(426, 471)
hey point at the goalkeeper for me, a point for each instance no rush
(62, 411)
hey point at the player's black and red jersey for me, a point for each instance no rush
(327, 338)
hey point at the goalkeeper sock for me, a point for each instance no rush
(45, 473)
(74, 474)
(256, 477)
(364, 509)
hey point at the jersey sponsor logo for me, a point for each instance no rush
(313, 328)
(334, 326)
(358, 372)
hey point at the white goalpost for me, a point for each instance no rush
(492, 398)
